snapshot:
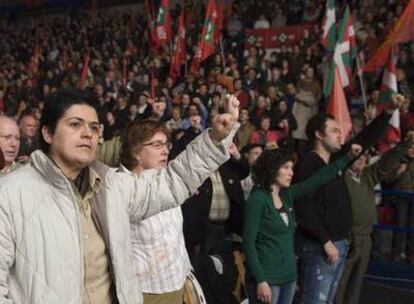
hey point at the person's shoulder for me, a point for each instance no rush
(258, 192)
(24, 177)
(309, 157)
(308, 161)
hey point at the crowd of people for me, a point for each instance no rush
(282, 180)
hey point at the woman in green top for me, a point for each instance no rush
(269, 224)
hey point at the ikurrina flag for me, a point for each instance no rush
(328, 26)
(344, 55)
(388, 89)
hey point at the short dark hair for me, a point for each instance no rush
(267, 167)
(25, 113)
(265, 116)
(247, 148)
(317, 123)
(56, 107)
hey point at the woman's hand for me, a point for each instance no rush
(264, 292)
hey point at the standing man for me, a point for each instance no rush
(9, 143)
(246, 129)
(360, 180)
(324, 217)
(28, 140)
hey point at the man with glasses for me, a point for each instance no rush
(9, 143)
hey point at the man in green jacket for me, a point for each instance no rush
(360, 181)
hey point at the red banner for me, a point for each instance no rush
(276, 37)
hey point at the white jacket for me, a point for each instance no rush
(41, 255)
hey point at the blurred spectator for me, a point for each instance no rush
(403, 248)
(9, 143)
(251, 152)
(175, 122)
(266, 137)
(246, 129)
(216, 208)
(29, 136)
(306, 105)
(279, 19)
(262, 22)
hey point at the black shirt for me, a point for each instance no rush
(325, 214)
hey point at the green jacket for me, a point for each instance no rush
(267, 241)
(361, 189)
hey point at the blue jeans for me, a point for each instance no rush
(281, 294)
(318, 278)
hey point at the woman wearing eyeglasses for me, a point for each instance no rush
(161, 260)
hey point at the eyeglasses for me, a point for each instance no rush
(159, 144)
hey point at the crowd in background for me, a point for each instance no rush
(279, 92)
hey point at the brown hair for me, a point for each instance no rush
(137, 134)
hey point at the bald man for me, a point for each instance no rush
(28, 137)
(9, 143)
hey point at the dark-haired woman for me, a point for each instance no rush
(65, 220)
(270, 224)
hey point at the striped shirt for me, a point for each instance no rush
(161, 261)
(220, 204)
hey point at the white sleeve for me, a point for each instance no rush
(154, 191)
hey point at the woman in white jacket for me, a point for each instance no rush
(64, 220)
(160, 257)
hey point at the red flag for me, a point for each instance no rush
(338, 107)
(84, 74)
(402, 31)
(206, 44)
(151, 28)
(180, 51)
(163, 23)
(220, 21)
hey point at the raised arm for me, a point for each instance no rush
(322, 176)
(384, 169)
(155, 191)
(318, 179)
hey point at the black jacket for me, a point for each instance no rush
(326, 213)
(196, 209)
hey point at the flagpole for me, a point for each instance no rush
(223, 59)
(361, 82)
